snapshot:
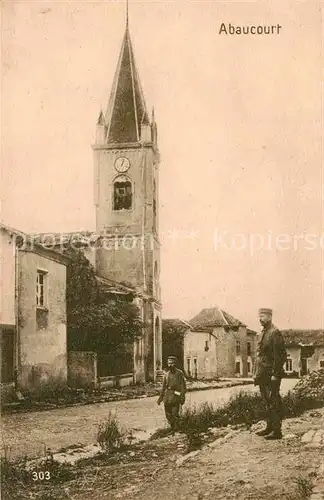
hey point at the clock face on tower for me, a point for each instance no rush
(122, 164)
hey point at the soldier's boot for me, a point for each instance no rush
(172, 426)
(276, 434)
(267, 430)
(264, 432)
(276, 430)
(275, 424)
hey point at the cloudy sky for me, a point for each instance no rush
(239, 118)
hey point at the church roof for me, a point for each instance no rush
(213, 317)
(126, 110)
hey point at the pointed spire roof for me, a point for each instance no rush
(126, 110)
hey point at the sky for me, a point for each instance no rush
(240, 124)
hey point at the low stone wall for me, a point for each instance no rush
(83, 372)
(82, 369)
(117, 380)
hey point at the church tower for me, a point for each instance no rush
(126, 165)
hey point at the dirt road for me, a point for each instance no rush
(28, 433)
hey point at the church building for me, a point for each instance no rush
(124, 250)
(126, 186)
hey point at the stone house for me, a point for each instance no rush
(218, 345)
(305, 351)
(33, 312)
(42, 317)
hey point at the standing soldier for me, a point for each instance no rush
(173, 393)
(269, 372)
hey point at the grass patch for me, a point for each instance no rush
(242, 408)
(247, 409)
(303, 488)
(50, 390)
(18, 481)
(112, 437)
(12, 472)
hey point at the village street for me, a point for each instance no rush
(28, 433)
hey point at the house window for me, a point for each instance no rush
(249, 367)
(321, 364)
(237, 367)
(206, 345)
(238, 347)
(249, 350)
(41, 289)
(122, 193)
(289, 365)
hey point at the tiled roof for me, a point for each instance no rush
(126, 110)
(11, 230)
(115, 287)
(213, 317)
(30, 242)
(75, 238)
(297, 337)
(175, 323)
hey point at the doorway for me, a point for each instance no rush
(303, 366)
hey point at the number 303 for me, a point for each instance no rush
(41, 476)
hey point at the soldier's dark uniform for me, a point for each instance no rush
(271, 357)
(173, 395)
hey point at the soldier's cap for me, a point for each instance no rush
(172, 358)
(265, 310)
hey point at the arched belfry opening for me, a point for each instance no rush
(123, 194)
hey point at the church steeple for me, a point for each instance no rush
(126, 112)
(126, 196)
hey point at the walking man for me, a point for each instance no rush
(173, 393)
(271, 357)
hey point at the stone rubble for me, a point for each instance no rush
(314, 438)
